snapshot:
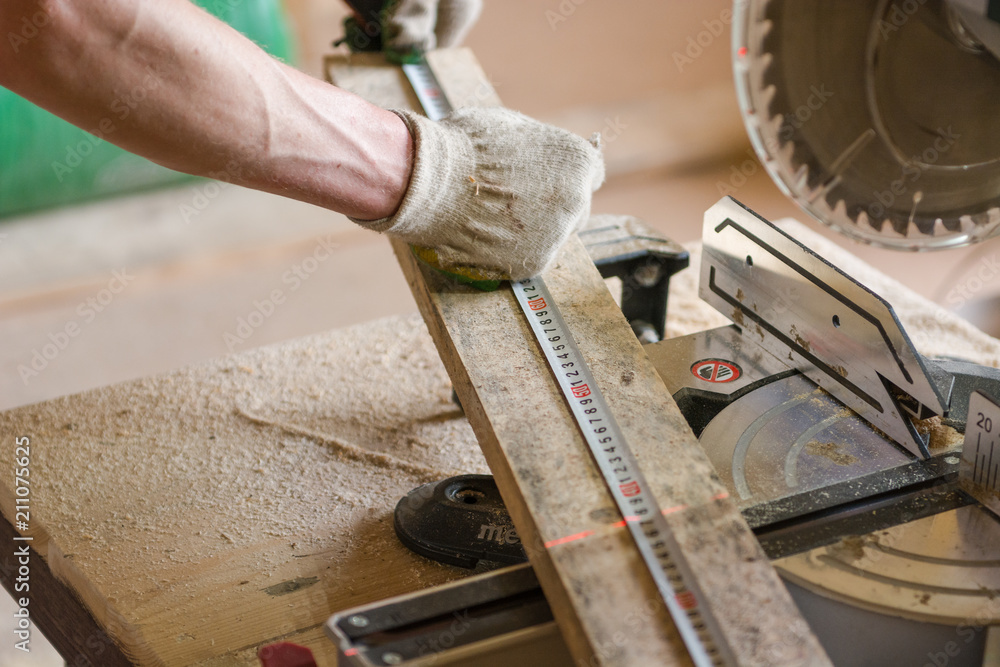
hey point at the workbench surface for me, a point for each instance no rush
(201, 514)
(205, 512)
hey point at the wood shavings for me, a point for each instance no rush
(831, 451)
(942, 436)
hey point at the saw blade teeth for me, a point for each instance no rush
(787, 151)
(839, 210)
(913, 230)
(767, 25)
(983, 226)
(891, 230)
(979, 219)
(992, 227)
(950, 226)
(939, 228)
(899, 226)
(802, 177)
(815, 153)
(766, 97)
(967, 225)
(861, 219)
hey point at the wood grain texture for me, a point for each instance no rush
(605, 601)
(603, 598)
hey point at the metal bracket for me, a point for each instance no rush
(816, 319)
(624, 247)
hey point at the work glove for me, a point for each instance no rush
(495, 190)
(406, 27)
(423, 25)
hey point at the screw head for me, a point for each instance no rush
(392, 658)
(951, 460)
(358, 621)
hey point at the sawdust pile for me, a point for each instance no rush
(942, 436)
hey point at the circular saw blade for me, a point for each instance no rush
(877, 117)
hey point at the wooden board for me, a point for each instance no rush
(602, 597)
(195, 516)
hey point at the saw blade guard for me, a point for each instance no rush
(877, 117)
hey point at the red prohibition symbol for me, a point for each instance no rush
(716, 370)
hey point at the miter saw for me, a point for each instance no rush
(842, 445)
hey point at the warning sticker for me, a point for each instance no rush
(716, 370)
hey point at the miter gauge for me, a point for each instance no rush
(824, 399)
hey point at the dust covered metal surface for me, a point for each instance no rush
(818, 320)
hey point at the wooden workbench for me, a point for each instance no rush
(200, 514)
(195, 516)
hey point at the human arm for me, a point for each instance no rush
(180, 87)
(169, 82)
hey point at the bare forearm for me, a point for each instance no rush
(165, 80)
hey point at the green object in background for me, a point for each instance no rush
(45, 161)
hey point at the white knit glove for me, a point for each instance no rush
(494, 189)
(427, 24)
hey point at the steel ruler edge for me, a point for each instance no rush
(664, 558)
(643, 517)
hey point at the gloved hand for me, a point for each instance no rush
(427, 24)
(407, 26)
(494, 189)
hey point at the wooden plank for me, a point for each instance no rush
(603, 598)
(197, 515)
(68, 626)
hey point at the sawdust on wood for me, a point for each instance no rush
(181, 504)
(346, 449)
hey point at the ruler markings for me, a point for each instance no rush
(628, 486)
(432, 98)
(657, 546)
(980, 468)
